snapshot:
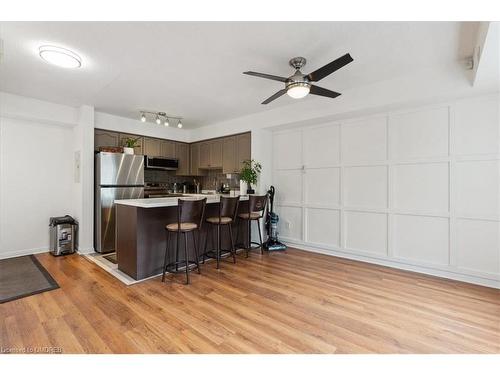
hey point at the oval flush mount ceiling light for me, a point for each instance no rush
(60, 56)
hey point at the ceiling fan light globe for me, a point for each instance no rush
(298, 91)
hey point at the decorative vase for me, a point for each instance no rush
(251, 189)
(243, 187)
(128, 150)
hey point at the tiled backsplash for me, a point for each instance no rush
(215, 178)
(165, 177)
(212, 181)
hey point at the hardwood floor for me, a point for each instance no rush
(293, 302)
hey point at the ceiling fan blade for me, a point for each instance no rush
(328, 69)
(275, 96)
(268, 76)
(316, 90)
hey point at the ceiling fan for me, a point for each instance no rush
(299, 85)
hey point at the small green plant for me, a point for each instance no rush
(131, 142)
(250, 171)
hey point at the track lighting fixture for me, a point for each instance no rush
(160, 117)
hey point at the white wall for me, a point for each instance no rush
(417, 188)
(36, 171)
(127, 125)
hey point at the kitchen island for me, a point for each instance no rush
(140, 232)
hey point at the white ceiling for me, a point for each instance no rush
(194, 69)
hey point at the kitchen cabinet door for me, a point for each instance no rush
(216, 154)
(182, 153)
(204, 155)
(106, 138)
(229, 155)
(152, 147)
(139, 148)
(194, 160)
(167, 149)
(243, 149)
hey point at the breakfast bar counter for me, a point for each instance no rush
(140, 231)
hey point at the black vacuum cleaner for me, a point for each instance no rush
(272, 243)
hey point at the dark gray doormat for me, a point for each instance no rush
(111, 258)
(22, 277)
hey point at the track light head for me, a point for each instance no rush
(179, 124)
(143, 117)
(167, 124)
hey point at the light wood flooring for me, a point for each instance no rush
(293, 302)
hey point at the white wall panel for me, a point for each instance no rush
(365, 187)
(421, 187)
(365, 140)
(321, 146)
(366, 231)
(36, 183)
(290, 224)
(478, 245)
(421, 238)
(396, 189)
(419, 134)
(478, 188)
(323, 226)
(322, 186)
(477, 126)
(287, 150)
(288, 185)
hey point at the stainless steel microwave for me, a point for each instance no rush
(158, 162)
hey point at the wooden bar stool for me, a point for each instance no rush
(228, 208)
(190, 215)
(256, 208)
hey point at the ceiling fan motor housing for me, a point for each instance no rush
(298, 79)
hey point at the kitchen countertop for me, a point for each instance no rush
(167, 202)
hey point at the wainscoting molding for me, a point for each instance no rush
(403, 189)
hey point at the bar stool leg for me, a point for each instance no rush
(260, 237)
(196, 253)
(249, 236)
(218, 245)
(238, 222)
(166, 256)
(186, 257)
(178, 239)
(206, 242)
(233, 250)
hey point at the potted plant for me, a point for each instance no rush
(249, 173)
(130, 143)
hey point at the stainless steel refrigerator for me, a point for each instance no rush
(117, 176)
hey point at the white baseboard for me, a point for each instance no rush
(18, 253)
(394, 264)
(38, 250)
